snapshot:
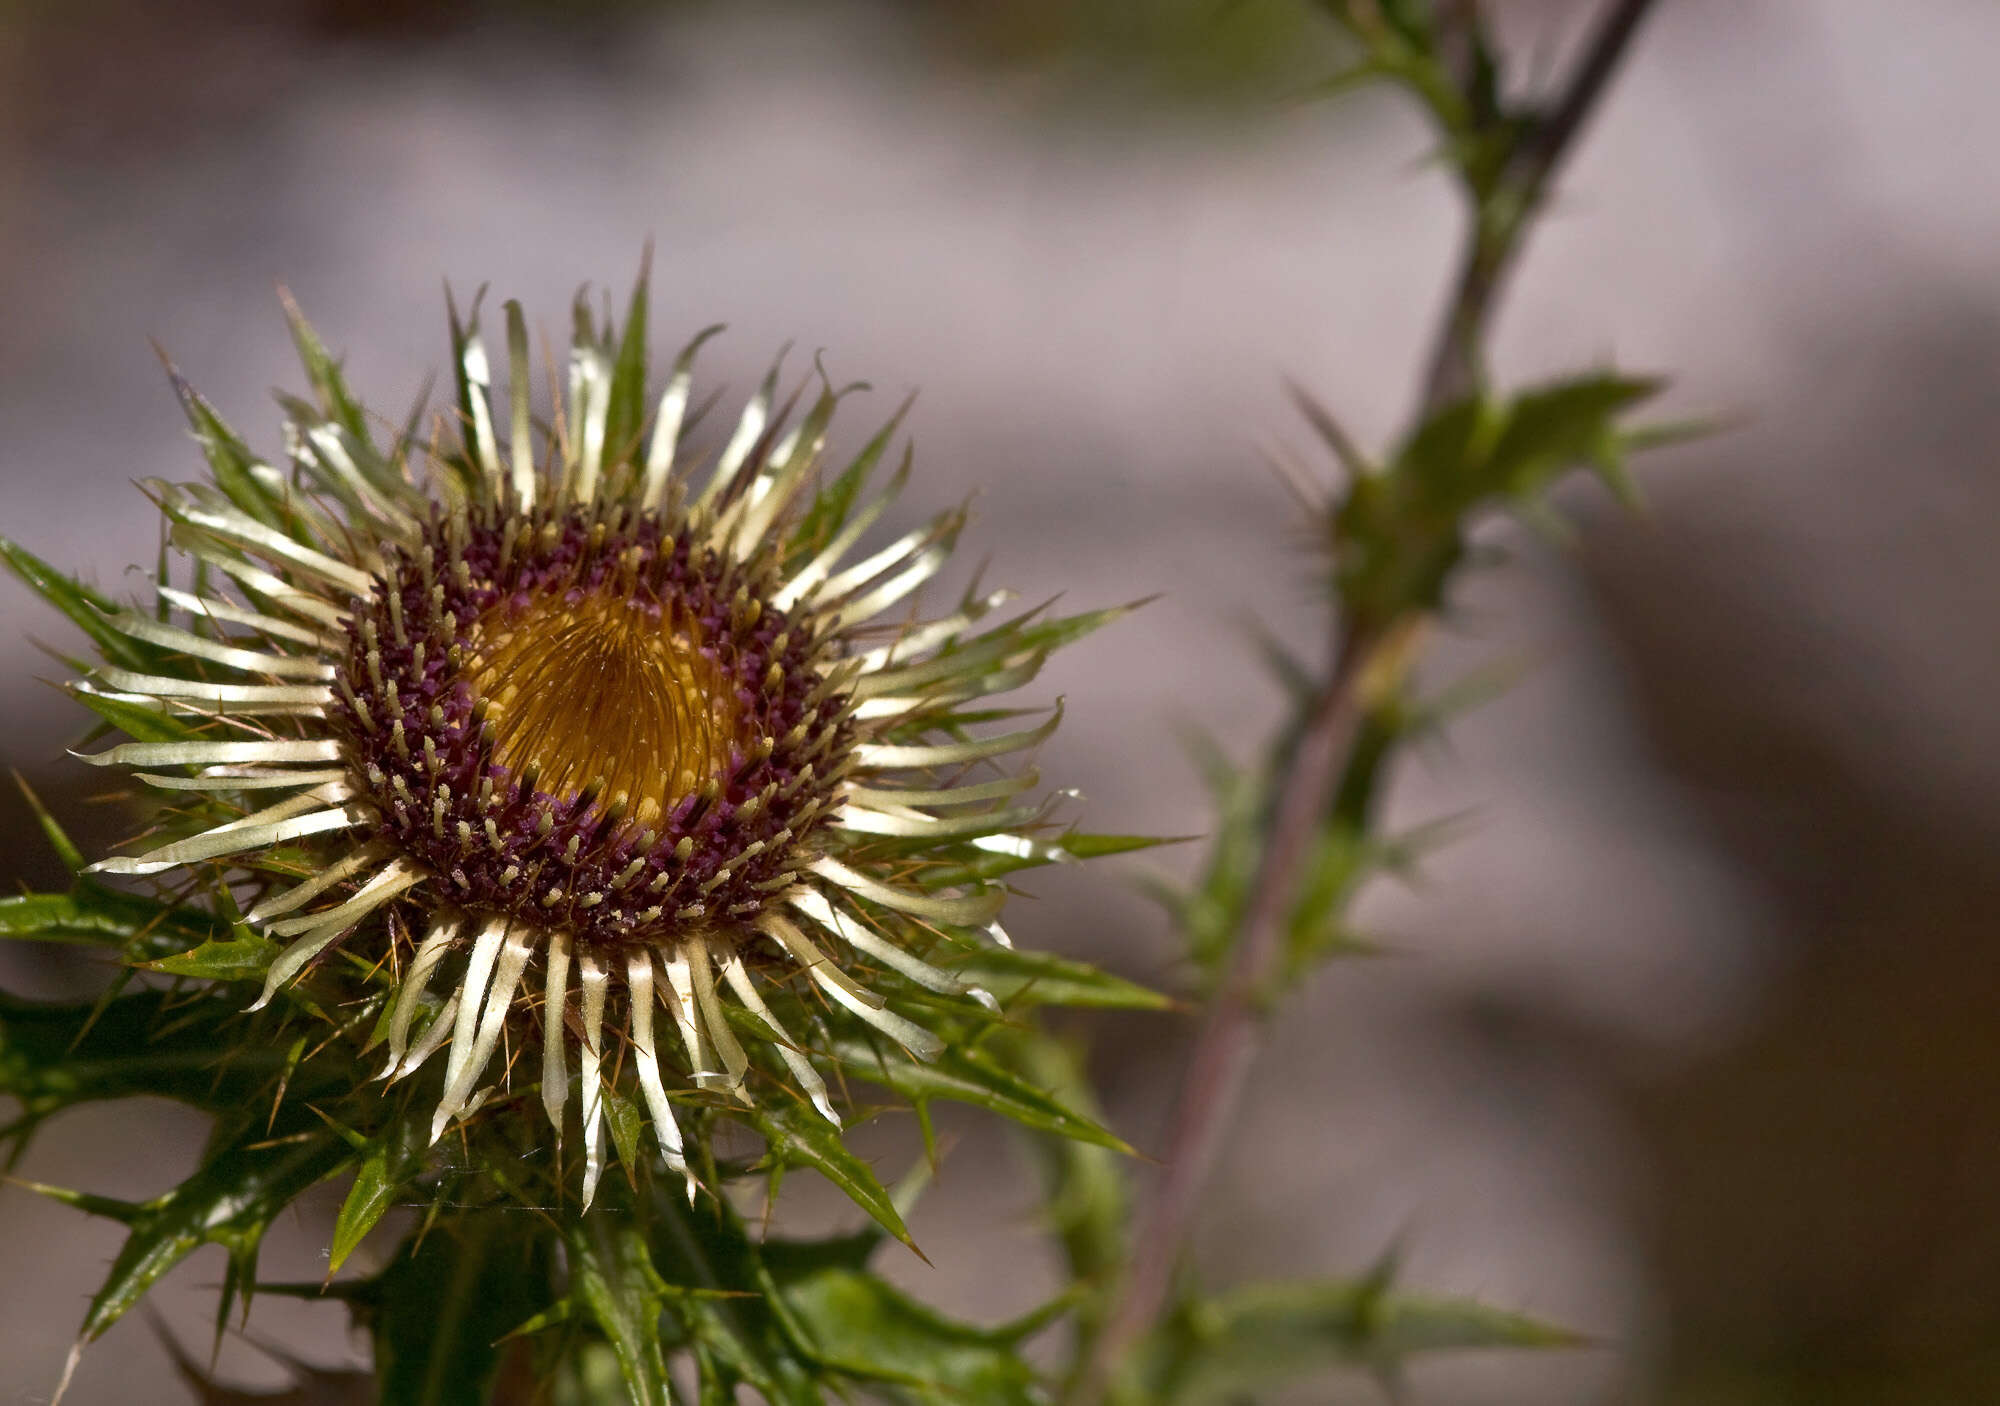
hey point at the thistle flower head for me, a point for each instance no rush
(591, 743)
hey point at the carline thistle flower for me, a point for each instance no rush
(604, 736)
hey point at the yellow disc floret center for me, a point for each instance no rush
(603, 691)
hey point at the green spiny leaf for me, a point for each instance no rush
(229, 1201)
(833, 504)
(1210, 913)
(58, 917)
(1443, 458)
(85, 607)
(244, 956)
(1335, 866)
(136, 720)
(628, 1128)
(229, 458)
(969, 864)
(390, 1159)
(59, 840)
(89, 912)
(855, 1323)
(1222, 1349)
(799, 1135)
(1024, 978)
(323, 369)
(108, 1207)
(614, 1283)
(1554, 427)
(966, 1075)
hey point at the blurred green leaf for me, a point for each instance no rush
(1255, 1338)
(586, 1374)
(1085, 1192)
(1338, 862)
(719, 1295)
(1399, 535)
(1555, 427)
(1210, 912)
(59, 840)
(1487, 449)
(441, 1310)
(202, 1050)
(853, 1322)
(1444, 455)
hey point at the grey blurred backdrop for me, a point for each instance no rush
(1690, 1042)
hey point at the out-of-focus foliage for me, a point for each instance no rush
(1239, 52)
(1297, 834)
(1397, 537)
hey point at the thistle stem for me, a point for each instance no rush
(1219, 1066)
(1502, 216)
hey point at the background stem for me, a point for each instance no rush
(1501, 218)
(1218, 1068)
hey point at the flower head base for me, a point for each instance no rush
(583, 719)
(607, 736)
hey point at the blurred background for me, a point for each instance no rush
(1688, 1042)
